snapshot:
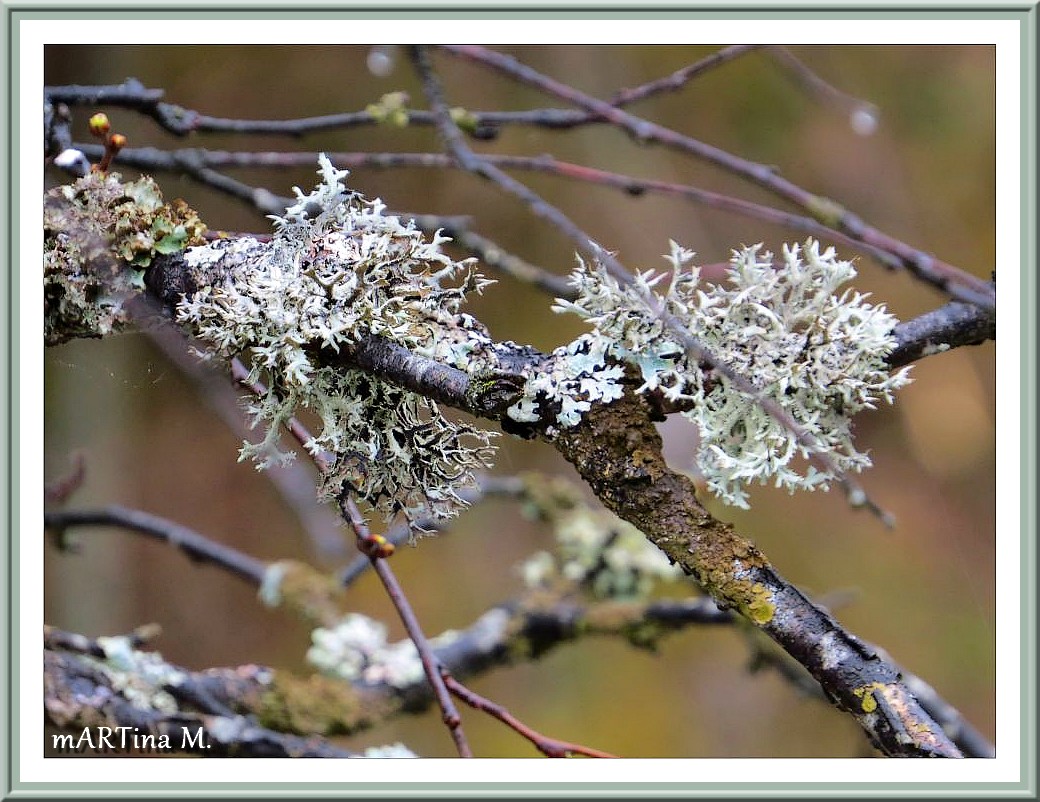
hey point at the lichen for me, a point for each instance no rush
(817, 354)
(394, 750)
(609, 557)
(565, 385)
(725, 568)
(141, 677)
(356, 649)
(865, 693)
(759, 606)
(313, 595)
(100, 235)
(316, 705)
(339, 269)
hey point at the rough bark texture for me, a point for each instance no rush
(617, 450)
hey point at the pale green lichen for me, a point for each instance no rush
(595, 549)
(100, 235)
(820, 355)
(566, 385)
(337, 269)
(141, 677)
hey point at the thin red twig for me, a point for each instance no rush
(550, 747)
(431, 665)
(351, 513)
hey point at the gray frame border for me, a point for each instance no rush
(1024, 11)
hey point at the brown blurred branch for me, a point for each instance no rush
(196, 546)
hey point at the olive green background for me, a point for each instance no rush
(924, 592)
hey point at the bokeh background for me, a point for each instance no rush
(925, 592)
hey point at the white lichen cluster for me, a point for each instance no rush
(611, 558)
(394, 750)
(356, 650)
(820, 355)
(141, 677)
(338, 268)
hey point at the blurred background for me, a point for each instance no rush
(925, 592)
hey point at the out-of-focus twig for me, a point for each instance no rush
(58, 491)
(195, 545)
(550, 747)
(959, 284)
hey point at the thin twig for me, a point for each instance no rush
(550, 747)
(196, 164)
(817, 86)
(431, 665)
(959, 284)
(678, 79)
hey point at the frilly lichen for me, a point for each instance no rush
(819, 355)
(338, 268)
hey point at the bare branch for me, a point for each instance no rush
(959, 284)
(949, 326)
(194, 545)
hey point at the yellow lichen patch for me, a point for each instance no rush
(865, 694)
(722, 561)
(761, 608)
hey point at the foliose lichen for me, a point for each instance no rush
(818, 354)
(337, 269)
(100, 236)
